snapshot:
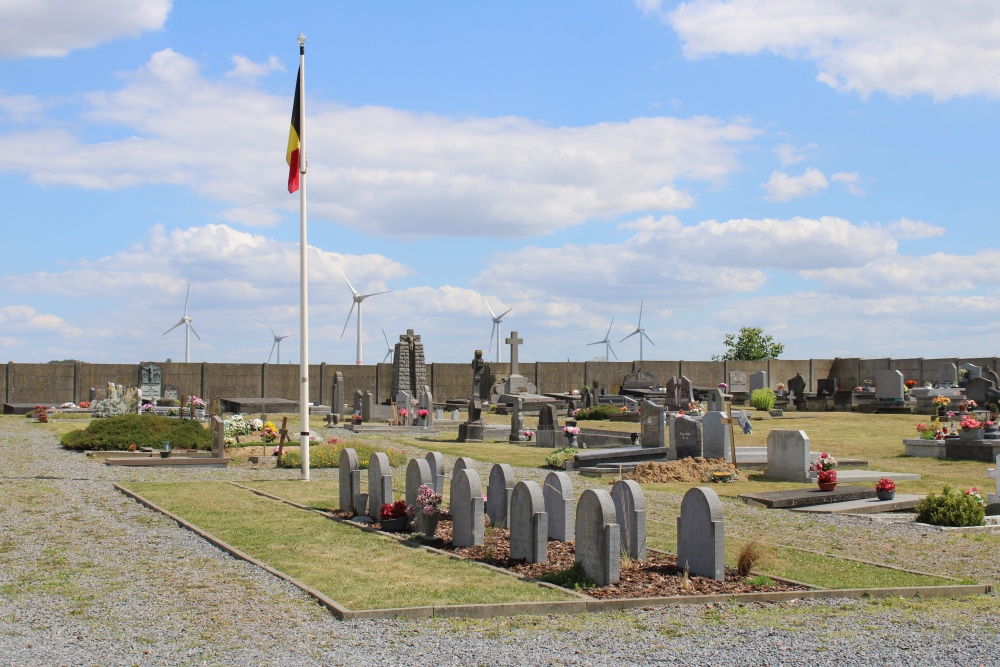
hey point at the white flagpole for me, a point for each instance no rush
(303, 275)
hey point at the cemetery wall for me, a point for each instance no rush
(611, 374)
(229, 381)
(450, 380)
(822, 369)
(48, 383)
(3, 381)
(912, 369)
(185, 378)
(847, 371)
(281, 381)
(783, 370)
(749, 367)
(99, 375)
(560, 376)
(383, 382)
(703, 373)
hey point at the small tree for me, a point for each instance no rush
(751, 344)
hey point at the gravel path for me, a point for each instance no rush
(89, 577)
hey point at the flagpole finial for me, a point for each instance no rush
(301, 39)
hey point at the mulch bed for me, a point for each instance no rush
(658, 576)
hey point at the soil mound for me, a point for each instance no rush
(685, 470)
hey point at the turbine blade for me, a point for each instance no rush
(173, 327)
(270, 327)
(193, 331)
(353, 291)
(648, 338)
(504, 314)
(609, 328)
(629, 336)
(186, 299)
(612, 352)
(365, 296)
(348, 320)
(490, 348)
(388, 352)
(386, 339)
(640, 313)
(492, 314)
(600, 342)
(272, 350)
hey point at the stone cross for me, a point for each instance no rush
(349, 476)
(529, 525)
(513, 341)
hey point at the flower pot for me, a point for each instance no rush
(976, 434)
(827, 486)
(927, 435)
(394, 525)
(572, 441)
(885, 495)
(429, 523)
(165, 455)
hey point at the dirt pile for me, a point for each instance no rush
(684, 470)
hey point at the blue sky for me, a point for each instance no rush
(825, 171)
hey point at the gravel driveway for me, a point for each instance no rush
(89, 577)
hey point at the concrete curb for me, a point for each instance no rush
(584, 605)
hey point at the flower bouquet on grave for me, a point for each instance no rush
(429, 510)
(928, 430)
(528, 433)
(885, 489)
(41, 414)
(401, 416)
(973, 494)
(269, 432)
(147, 408)
(394, 517)
(970, 423)
(941, 403)
(826, 473)
(910, 384)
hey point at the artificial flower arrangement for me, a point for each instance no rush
(147, 407)
(942, 401)
(970, 423)
(910, 384)
(694, 407)
(885, 485)
(623, 408)
(41, 414)
(723, 386)
(422, 413)
(428, 501)
(528, 433)
(356, 417)
(270, 432)
(256, 424)
(571, 430)
(396, 510)
(84, 404)
(974, 494)
(781, 386)
(825, 468)
(403, 412)
(932, 427)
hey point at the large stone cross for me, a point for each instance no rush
(513, 341)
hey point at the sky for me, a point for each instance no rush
(825, 170)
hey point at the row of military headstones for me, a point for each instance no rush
(605, 525)
(707, 435)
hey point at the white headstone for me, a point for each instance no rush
(788, 455)
(889, 385)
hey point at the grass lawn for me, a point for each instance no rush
(357, 569)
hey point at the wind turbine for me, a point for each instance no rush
(277, 341)
(186, 322)
(358, 298)
(607, 343)
(495, 331)
(642, 333)
(390, 350)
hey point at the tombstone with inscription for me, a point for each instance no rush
(947, 374)
(151, 381)
(652, 425)
(758, 380)
(716, 401)
(738, 382)
(686, 438)
(409, 372)
(680, 393)
(888, 385)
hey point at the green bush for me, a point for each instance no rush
(558, 457)
(603, 411)
(951, 508)
(762, 399)
(328, 456)
(119, 433)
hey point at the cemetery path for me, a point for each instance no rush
(87, 576)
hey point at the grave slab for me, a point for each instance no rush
(902, 501)
(858, 476)
(170, 462)
(807, 497)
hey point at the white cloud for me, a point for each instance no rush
(850, 181)
(27, 321)
(915, 229)
(376, 169)
(902, 275)
(789, 154)
(899, 47)
(56, 27)
(782, 187)
(244, 68)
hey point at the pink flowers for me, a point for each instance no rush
(885, 484)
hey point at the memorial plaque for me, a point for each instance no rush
(151, 381)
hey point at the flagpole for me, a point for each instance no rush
(303, 272)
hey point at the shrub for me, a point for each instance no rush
(952, 508)
(328, 456)
(762, 399)
(558, 457)
(118, 433)
(603, 411)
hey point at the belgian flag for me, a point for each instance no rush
(292, 154)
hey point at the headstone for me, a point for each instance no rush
(547, 418)
(436, 464)
(639, 380)
(826, 387)
(994, 498)
(788, 455)
(687, 440)
(972, 371)
(498, 494)
(218, 437)
(700, 539)
(379, 483)
(358, 401)
(515, 383)
(529, 525)
(516, 421)
(978, 390)
(467, 509)
(652, 425)
(477, 374)
(559, 505)
(570, 407)
(738, 382)
(367, 406)
(461, 463)
(473, 429)
(338, 393)
(716, 400)
(404, 402)
(418, 472)
(439, 413)
(630, 514)
(598, 541)
(151, 380)
(409, 372)
(680, 393)
(349, 478)
(455, 415)
(947, 374)
(889, 385)
(715, 435)
(758, 380)
(588, 400)
(426, 402)
(797, 386)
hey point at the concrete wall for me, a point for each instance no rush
(58, 383)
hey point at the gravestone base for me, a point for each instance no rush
(471, 432)
(971, 450)
(807, 497)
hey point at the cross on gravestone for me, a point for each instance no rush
(513, 341)
(529, 524)
(349, 477)
(598, 540)
(558, 495)
(700, 546)
(498, 494)
(418, 472)
(630, 512)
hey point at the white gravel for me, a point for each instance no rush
(89, 577)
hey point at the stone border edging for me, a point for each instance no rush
(588, 605)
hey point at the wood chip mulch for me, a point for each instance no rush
(658, 576)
